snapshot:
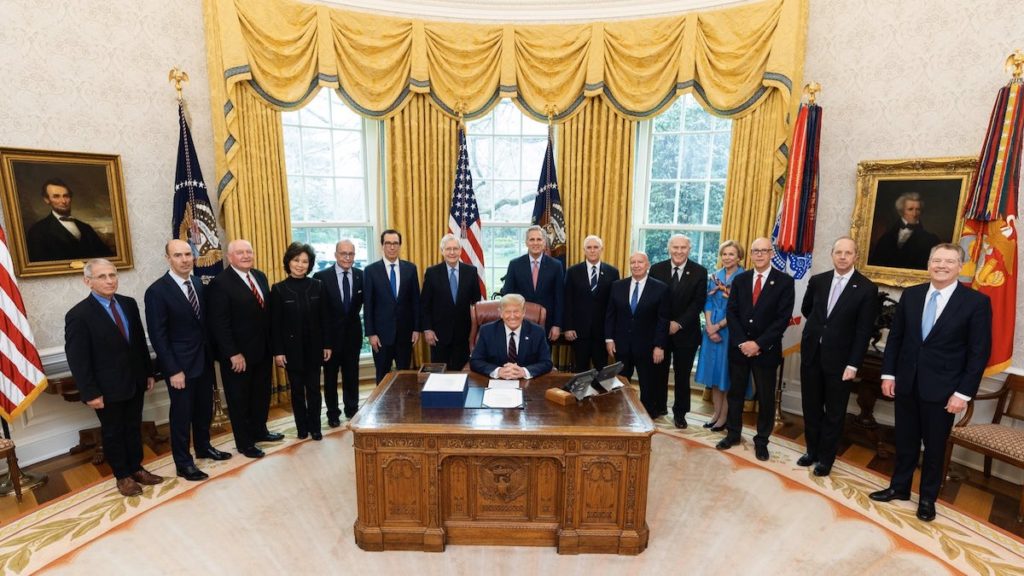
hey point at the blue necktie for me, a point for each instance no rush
(635, 298)
(394, 282)
(346, 292)
(929, 315)
(593, 278)
(453, 283)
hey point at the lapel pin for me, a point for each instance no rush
(771, 283)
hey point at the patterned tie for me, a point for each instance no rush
(593, 278)
(394, 282)
(837, 289)
(675, 275)
(929, 314)
(536, 271)
(192, 298)
(513, 353)
(757, 289)
(453, 283)
(255, 292)
(346, 291)
(635, 298)
(120, 323)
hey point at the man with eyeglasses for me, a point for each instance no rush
(449, 289)
(344, 285)
(935, 356)
(758, 312)
(392, 312)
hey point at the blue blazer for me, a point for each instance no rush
(391, 319)
(178, 337)
(491, 350)
(952, 358)
(550, 285)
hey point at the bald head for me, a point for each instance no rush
(345, 254)
(179, 257)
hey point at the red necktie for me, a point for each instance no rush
(256, 293)
(536, 270)
(117, 320)
(757, 289)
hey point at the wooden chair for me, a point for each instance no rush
(487, 311)
(13, 471)
(996, 440)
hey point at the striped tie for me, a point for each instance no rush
(192, 298)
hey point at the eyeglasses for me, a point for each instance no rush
(388, 243)
(761, 251)
(347, 254)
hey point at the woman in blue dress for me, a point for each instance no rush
(713, 365)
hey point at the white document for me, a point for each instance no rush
(503, 398)
(445, 382)
(503, 384)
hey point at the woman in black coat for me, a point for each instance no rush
(298, 315)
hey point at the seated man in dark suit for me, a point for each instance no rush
(58, 236)
(540, 279)
(512, 348)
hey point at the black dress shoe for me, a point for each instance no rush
(926, 510)
(888, 494)
(192, 474)
(253, 452)
(271, 437)
(726, 443)
(302, 435)
(681, 424)
(213, 454)
(316, 435)
(806, 460)
(333, 422)
(761, 451)
(708, 424)
(717, 428)
(822, 470)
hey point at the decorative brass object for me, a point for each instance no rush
(178, 76)
(1015, 64)
(811, 90)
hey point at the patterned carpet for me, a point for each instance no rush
(709, 512)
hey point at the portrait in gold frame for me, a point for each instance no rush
(46, 237)
(935, 187)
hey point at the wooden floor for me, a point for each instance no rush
(992, 499)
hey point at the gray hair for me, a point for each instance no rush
(508, 299)
(87, 270)
(908, 197)
(594, 237)
(448, 237)
(540, 229)
(679, 235)
(960, 254)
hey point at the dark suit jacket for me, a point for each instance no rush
(952, 358)
(101, 361)
(638, 334)
(550, 285)
(764, 323)
(913, 254)
(343, 328)
(841, 337)
(236, 322)
(585, 310)
(178, 337)
(390, 319)
(298, 315)
(491, 350)
(48, 239)
(687, 299)
(449, 320)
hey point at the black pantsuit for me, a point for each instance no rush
(298, 315)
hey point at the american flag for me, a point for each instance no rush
(464, 215)
(21, 371)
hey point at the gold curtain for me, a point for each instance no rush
(422, 151)
(595, 167)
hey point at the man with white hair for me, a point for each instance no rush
(588, 286)
(449, 289)
(511, 348)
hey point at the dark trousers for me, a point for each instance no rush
(588, 353)
(400, 353)
(653, 387)
(344, 359)
(191, 411)
(306, 402)
(764, 384)
(121, 430)
(918, 421)
(248, 396)
(682, 362)
(824, 397)
(454, 354)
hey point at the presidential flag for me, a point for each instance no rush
(464, 214)
(21, 371)
(194, 220)
(547, 208)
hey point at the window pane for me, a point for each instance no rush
(481, 162)
(533, 154)
(351, 204)
(662, 205)
(708, 255)
(318, 196)
(507, 118)
(348, 153)
(669, 120)
(344, 117)
(295, 198)
(507, 158)
(527, 200)
(484, 125)
(292, 147)
(656, 245)
(506, 201)
(695, 156)
(316, 152)
(720, 154)
(695, 118)
(317, 113)
(691, 203)
(665, 157)
(716, 203)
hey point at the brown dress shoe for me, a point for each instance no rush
(143, 476)
(128, 487)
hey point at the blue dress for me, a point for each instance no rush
(713, 363)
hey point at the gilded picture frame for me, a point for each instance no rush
(903, 208)
(62, 208)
